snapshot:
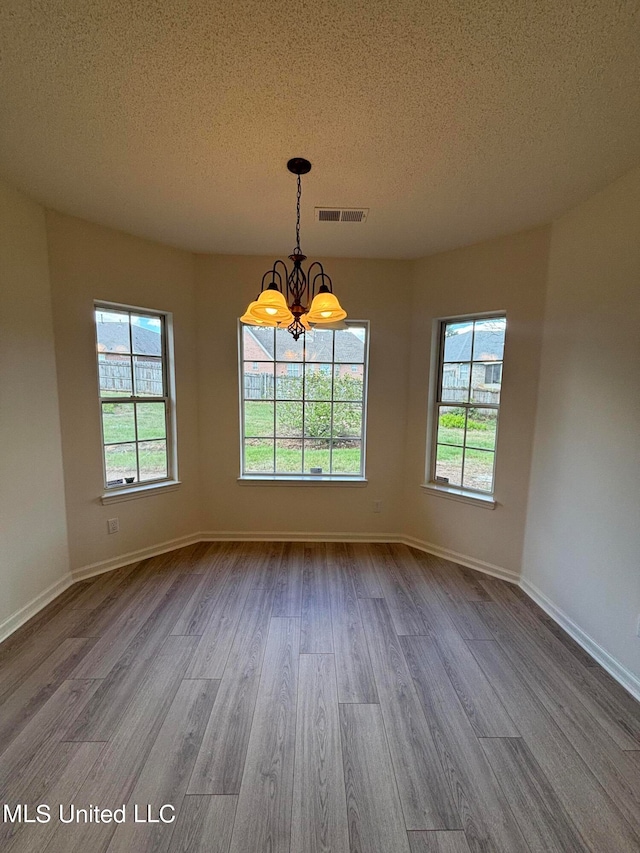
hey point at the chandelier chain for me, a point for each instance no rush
(298, 197)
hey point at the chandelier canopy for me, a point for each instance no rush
(292, 299)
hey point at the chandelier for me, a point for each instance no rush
(291, 299)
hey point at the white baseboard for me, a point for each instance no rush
(453, 556)
(13, 622)
(274, 536)
(461, 559)
(112, 563)
(622, 675)
(626, 678)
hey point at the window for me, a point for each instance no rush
(135, 403)
(303, 415)
(492, 374)
(467, 403)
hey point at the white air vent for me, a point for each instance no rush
(344, 214)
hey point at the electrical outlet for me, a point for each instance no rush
(377, 506)
(113, 525)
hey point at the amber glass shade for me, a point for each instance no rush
(270, 305)
(325, 308)
(336, 325)
(250, 320)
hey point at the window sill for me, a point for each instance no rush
(462, 495)
(311, 480)
(132, 494)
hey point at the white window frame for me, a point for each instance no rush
(463, 493)
(284, 477)
(114, 493)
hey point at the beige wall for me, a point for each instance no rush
(507, 274)
(90, 262)
(583, 531)
(370, 290)
(33, 548)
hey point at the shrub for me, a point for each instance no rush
(453, 420)
(346, 419)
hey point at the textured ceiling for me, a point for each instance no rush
(453, 121)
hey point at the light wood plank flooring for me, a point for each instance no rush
(311, 698)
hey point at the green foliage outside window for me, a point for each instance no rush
(347, 419)
(455, 420)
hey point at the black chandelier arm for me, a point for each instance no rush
(322, 275)
(283, 278)
(274, 277)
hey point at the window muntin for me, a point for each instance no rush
(135, 404)
(303, 411)
(467, 403)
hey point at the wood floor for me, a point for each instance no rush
(312, 698)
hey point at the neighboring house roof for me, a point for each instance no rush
(319, 346)
(488, 345)
(114, 337)
(254, 349)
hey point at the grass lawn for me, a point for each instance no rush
(259, 452)
(118, 422)
(258, 418)
(119, 426)
(478, 466)
(482, 439)
(121, 461)
(259, 459)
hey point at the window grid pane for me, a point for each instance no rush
(132, 373)
(145, 340)
(258, 454)
(121, 464)
(467, 402)
(152, 460)
(289, 456)
(307, 431)
(115, 375)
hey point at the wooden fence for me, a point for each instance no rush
(455, 394)
(258, 386)
(115, 376)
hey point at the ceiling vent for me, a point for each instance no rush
(342, 214)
